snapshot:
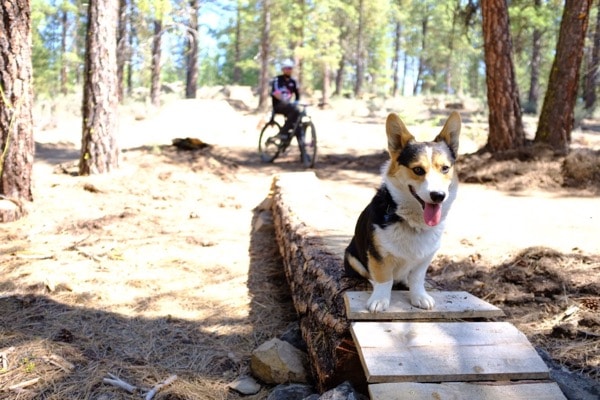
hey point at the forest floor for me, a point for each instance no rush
(155, 270)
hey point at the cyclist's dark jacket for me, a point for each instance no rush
(287, 86)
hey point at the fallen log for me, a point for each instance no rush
(312, 234)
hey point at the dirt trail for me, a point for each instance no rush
(163, 248)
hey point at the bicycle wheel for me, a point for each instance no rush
(308, 145)
(268, 142)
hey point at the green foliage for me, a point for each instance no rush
(49, 21)
(155, 9)
(245, 21)
(442, 36)
(525, 17)
(28, 365)
(208, 73)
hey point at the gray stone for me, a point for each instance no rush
(574, 386)
(345, 391)
(313, 397)
(245, 385)
(291, 391)
(264, 221)
(276, 361)
(293, 335)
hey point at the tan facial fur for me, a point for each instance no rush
(426, 166)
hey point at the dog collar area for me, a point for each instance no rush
(391, 216)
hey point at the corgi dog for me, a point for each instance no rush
(400, 230)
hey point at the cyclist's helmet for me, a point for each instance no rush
(287, 63)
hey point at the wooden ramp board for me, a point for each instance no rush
(463, 390)
(448, 305)
(445, 351)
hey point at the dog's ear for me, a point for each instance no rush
(450, 132)
(397, 134)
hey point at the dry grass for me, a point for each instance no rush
(152, 273)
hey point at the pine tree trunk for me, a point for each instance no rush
(558, 111)
(421, 67)
(265, 50)
(505, 122)
(16, 97)
(122, 42)
(299, 44)
(326, 84)
(396, 59)
(237, 55)
(132, 34)
(63, 52)
(191, 81)
(449, 88)
(99, 150)
(155, 74)
(591, 76)
(404, 74)
(536, 61)
(360, 56)
(339, 76)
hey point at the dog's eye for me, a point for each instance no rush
(445, 169)
(418, 171)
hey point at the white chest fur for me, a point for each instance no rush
(411, 245)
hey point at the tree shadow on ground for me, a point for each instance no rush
(56, 153)
(65, 351)
(531, 168)
(69, 350)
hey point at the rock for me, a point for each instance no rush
(575, 386)
(9, 210)
(276, 361)
(292, 391)
(245, 385)
(293, 335)
(345, 391)
(264, 221)
(265, 205)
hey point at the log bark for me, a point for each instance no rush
(312, 234)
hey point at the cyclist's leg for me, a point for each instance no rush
(291, 113)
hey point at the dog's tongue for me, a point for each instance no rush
(432, 214)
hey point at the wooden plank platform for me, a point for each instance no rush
(464, 390)
(445, 351)
(448, 305)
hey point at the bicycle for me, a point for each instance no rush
(271, 145)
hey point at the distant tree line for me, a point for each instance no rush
(515, 54)
(352, 48)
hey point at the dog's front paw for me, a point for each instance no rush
(380, 298)
(377, 304)
(422, 300)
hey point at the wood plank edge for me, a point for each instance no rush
(498, 376)
(390, 391)
(424, 315)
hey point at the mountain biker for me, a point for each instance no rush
(282, 88)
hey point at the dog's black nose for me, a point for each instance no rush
(437, 197)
